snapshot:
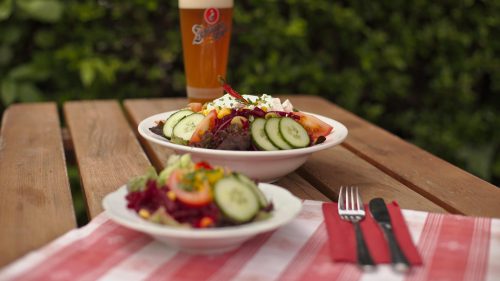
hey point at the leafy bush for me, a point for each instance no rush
(428, 71)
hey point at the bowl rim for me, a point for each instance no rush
(337, 136)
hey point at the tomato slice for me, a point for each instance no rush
(206, 124)
(314, 127)
(197, 198)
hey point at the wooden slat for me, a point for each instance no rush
(139, 109)
(107, 151)
(337, 167)
(301, 188)
(35, 205)
(445, 184)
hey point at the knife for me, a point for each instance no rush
(381, 215)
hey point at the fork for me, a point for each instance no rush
(350, 208)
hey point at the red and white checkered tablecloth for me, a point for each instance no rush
(452, 247)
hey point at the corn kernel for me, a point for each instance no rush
(215, 176)
(264, 108)
(171, 195)
(223, 112)
(144, 213)
(206, 222)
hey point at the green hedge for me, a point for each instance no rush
(428, 71)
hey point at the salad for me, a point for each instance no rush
(243, 122)
(196, 195)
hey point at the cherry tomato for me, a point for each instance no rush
(203, 165)
(314, 127)
(196, 198)
(206, 124)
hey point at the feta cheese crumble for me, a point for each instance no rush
(265, 102)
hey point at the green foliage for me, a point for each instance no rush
(62, 50)
(428, 71)
(41, 10)
(77, 195)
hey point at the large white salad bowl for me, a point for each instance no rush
(263, 166)
(206, 241)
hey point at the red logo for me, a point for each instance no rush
(211, 15)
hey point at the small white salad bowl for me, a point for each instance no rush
(262, 166)
(206, 241)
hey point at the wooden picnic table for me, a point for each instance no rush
(36, 203)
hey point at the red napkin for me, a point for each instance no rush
(343, 241)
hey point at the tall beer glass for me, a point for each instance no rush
(206, 32)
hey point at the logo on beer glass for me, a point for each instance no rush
(214, 29)
(211, 15)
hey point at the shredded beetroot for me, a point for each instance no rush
(286, 114)
(152, 198)
(256, 112)
(226, 120)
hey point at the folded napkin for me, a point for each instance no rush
(342, 237)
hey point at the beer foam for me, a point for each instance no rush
(202, 4)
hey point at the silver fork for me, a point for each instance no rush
(350, 208)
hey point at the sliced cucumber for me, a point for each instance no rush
(256, 190)
(259, 136)
(172, 121)
(185, 128)
(235, 199)
(293, 133)
(272, 129)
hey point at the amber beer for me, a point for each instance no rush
(206, 32)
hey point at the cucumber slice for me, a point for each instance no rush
(235, 199)
(256, 190)
(172, 121)
(259, 136)
(185, 128)
(293, 133)
(272, 129)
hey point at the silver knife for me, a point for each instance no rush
(381, 215)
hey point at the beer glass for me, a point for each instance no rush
(206, 32)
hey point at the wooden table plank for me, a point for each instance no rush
(107, 151)
(301, 188)
(139, 109)
(36, 205)
(337, 166)
(445, 184)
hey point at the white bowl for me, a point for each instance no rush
(205, 241)
(262, 166)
